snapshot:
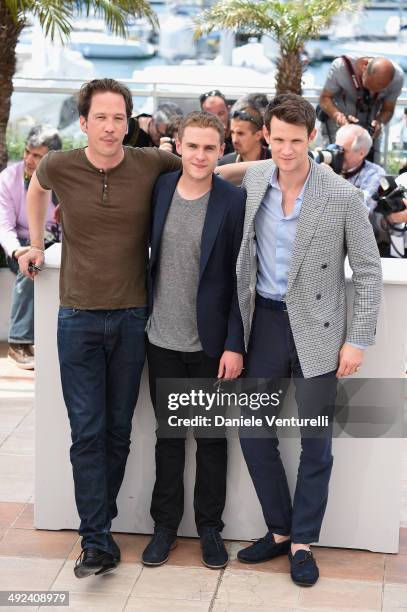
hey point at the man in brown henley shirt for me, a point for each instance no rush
(104, 192)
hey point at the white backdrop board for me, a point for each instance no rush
(365, 490)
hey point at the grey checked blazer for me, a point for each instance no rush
(333, 223)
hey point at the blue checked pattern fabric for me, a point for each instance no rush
(333, 223)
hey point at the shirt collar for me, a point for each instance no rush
(274, 183)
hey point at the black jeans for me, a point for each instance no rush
(272, 354)
(167, 504)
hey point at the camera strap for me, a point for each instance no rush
(354, 172)
(363, 95)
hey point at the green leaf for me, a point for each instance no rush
(55, 16)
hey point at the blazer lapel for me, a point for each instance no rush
(255, 196)
(213, 220)
(311, 208)
(160, 212)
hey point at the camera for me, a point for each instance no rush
(390, 195)
(332, 155)
(174, 146)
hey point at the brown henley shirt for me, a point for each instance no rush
(105, 218)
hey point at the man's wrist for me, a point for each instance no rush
(362, 347)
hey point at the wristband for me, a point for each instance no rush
(33, 248)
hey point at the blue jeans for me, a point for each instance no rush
(101, 355)
(22, 306)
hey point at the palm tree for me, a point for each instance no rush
(55, 17)
(290, 22)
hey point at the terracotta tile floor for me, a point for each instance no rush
(34, 559)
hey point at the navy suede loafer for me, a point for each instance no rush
(263, 550)
(304, 570)
(214, 553)
(158, 549)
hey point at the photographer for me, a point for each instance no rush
(147, 130)
(168, 142)
(360, 90)
(400, 218)
(356, 143)
(391, 215)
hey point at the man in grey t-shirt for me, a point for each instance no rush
(361, 90)
(195, 328)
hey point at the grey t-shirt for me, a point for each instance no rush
(173, 322)
(339, 83)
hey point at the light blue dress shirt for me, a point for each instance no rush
(275, 235)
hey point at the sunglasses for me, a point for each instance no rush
(210, 94)
(247, 117)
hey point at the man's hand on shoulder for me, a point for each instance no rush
(350, 360)
(230, 365)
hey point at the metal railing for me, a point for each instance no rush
(186, 91)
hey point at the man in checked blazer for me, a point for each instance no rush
(301, 221)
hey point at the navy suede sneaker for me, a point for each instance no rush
(304, 570)
(158, 549)
(263, 550)
(214, 553)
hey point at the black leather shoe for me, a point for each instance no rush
(304, 570)
(158, 549)
(214, 553)
(115, 550)
(93, 561)
(263, 550)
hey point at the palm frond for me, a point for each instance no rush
(290, 22)
(56, 15)
(233, 15)
(117, 12)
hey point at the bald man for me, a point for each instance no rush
(361, 90)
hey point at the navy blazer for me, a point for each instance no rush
(219, 321)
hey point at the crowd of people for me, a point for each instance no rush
(358, 98)
(245, 278)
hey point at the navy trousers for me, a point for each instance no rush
(272, 355)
